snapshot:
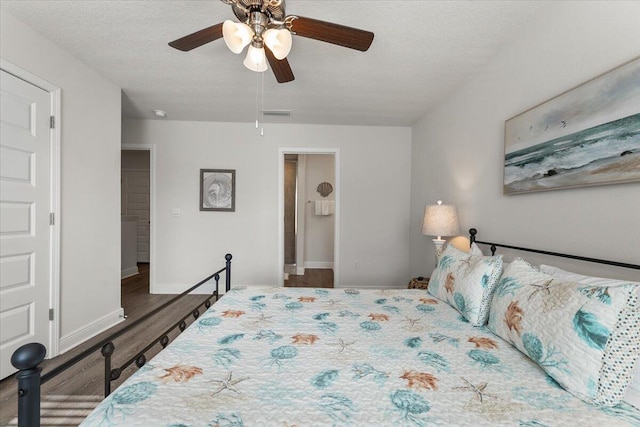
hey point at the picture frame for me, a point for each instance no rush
(218, 190)
(588, 135)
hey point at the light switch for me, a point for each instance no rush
(176, 212)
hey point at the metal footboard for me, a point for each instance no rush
(28, 357)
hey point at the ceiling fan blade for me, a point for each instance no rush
(198, 38)
(281, 68)
(341, 35)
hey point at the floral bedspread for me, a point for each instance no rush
(343, 357)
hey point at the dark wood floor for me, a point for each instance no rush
(313, 278)
(82, 385)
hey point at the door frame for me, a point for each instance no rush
(336, 229)
(53, 347)
(151, 148)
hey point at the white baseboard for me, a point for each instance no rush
(297, 270)
(94, 328)
(318, 264)
(128, 272)
(371, 287)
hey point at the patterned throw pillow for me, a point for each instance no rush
(466, 282)
(585, 337)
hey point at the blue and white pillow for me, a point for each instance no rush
(585, 337)
(466, 282)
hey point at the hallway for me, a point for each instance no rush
(313, 278)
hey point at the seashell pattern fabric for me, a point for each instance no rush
(343, 357)
(466, 281)
(587, 338)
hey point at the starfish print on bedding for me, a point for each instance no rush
(554, 294)
(466, 264)
(544, 287)
(413, 324)
(262, 318)
(343, 345)
(227, 384)
(478, 390)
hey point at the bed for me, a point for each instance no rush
(265, 356)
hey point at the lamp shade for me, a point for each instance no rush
(278, 41)
(256, 59)
(440, 220)
(236, 35)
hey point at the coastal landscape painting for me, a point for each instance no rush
(589, 135)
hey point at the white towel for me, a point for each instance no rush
(325, 207)
(328, 207)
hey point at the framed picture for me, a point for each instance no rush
(218, 190)
(589, 135)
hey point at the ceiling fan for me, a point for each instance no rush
(266, 28)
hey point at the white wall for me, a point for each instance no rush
(457, 152)
(319, 230)
(374, 199)
(90, 175)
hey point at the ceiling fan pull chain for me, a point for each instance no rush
(262, 100)
(257, 93)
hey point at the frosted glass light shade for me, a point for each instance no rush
(236, 35)
(256, 60)
(440, 220)
(278, 41)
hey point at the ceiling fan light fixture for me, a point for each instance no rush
(256, 59)
(278, 41)
(236, 35)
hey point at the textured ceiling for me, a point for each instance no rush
(422, 50)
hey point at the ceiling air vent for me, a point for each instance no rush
(278, 113)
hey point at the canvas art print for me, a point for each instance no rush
(589, 135)
(218, 190)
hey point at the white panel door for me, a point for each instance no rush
(135, 201)
(25, 200)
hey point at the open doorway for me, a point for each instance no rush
(308, 228)
(135, 222)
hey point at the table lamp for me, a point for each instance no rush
(440, 220)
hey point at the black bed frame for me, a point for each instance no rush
(27, 358)
(493, 246)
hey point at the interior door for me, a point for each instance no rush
(136, 198)
(25, 203)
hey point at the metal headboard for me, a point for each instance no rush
(493, 246)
